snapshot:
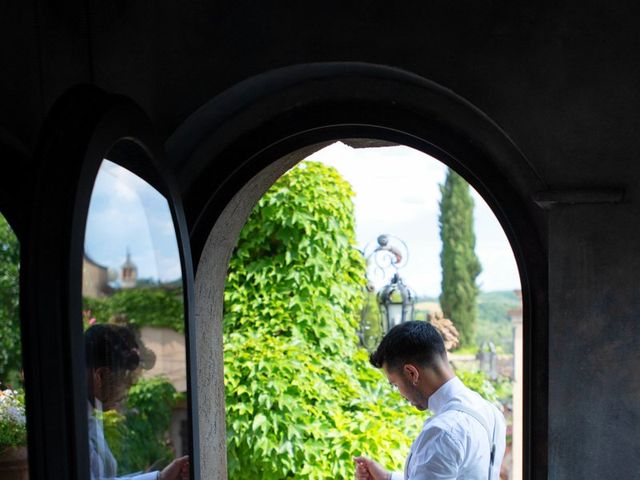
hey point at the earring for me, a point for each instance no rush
(415, 384)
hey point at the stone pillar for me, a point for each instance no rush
(517, 412)
(594, 333)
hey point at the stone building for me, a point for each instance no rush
(128, 273)
(95, 279)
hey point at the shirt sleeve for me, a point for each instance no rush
(397, 476)
(144, 476)
(141, 476)
(437, 455)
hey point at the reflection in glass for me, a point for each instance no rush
(13, 428)
(133, 317)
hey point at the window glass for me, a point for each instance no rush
(13, 432)
(133, 315)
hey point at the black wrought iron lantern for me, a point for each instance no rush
(396, 302)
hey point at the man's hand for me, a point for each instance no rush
(176, 470)
(367, 469)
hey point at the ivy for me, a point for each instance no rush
(301, 396)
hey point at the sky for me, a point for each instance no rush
(126, 213)
(397, 193)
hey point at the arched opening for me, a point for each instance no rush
(292, 276)
(60, 373)
(133, 321)
(246, 143)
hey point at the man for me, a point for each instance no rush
(113, 358)
(464, 439)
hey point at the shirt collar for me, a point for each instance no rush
(444, 394)
(97, 404)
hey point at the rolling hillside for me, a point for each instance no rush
(493, 324)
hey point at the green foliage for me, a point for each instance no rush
(460, 265)
(158, 307)
(137, 436)
(301, 397)
(496, 391)
(496, 303)
(479, 382)
(10, 351)
(494, 323)
(294, 412)
(468, 350)
(13, 426)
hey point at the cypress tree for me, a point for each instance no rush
(460, 265)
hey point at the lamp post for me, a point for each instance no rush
(395, 300)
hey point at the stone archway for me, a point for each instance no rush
(244, 140)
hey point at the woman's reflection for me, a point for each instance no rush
(113, 364)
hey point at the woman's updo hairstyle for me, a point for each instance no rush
(112, 346)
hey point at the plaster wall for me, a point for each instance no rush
(594, 332)
(168, 347)
(210, 279)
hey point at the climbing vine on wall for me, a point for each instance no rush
(301, 396)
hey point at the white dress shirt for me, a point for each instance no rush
(102, 462)
(453, 444)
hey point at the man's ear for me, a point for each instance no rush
(98, 375)
(412, 372)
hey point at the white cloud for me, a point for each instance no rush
(126, 213)
(397, 192)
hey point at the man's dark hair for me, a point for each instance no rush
(113, 346)
(410, 342)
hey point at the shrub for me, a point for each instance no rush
(13, 422)
(158, 307)
(496, 391)
(137, 436)
(10, 352)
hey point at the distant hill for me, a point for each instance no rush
(424, 307)
(493, 306)
(493, 324)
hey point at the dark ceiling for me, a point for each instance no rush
(559, 77)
